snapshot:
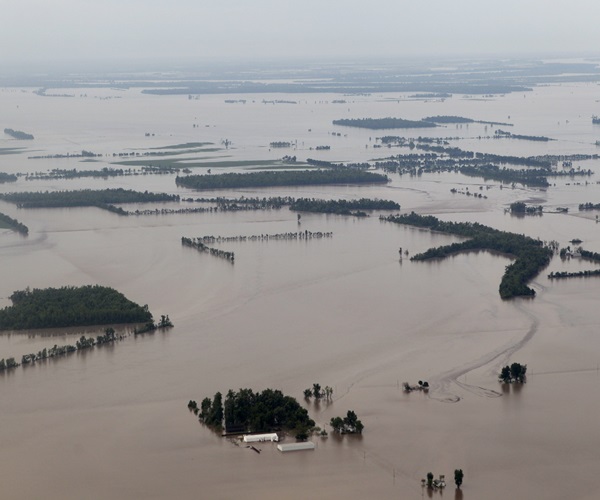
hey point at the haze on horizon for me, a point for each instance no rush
(42, 32)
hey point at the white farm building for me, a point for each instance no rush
(258, 438)
(296, 446)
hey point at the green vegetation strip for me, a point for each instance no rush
(383, 123)
(18, 134)
(531, 255)
(70, 306)
(10, 223)
(342, 207)
(109, 337)
(585, 254)
(84, 198)
(187, 145)
(4, 177)
(11, 151)
(284, 178)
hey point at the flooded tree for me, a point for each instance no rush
(458, 477)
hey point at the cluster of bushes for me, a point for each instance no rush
(317, 392)
(516, 372)
(350, 424)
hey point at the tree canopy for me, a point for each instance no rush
(84, 198)
(70, 306)
(251, 411)
(280, 178)
(531, 255)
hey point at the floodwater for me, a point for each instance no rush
(341, 311)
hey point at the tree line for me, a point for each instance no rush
(108, 337)
(297, 235)
(18, 134)
(84, 198)
(531, 254)
(14, 224)
(343, 207)
(201, 247)
(4, 177)
(282, 178)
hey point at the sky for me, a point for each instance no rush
(36, 32)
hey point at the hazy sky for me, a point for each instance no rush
(34, 31)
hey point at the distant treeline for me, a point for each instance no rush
(70, 306)
(84, 198)
(434, 157)
(539, 138)
(531, 255)
(14, 224)
(297, 235)
(4, 177)
(17, 134)
(585, 254)
(460, 120)
(104, 173)
(383, 123)
(428, 122)
(334, 86)
(283, 178)
(201, 247)
(555, 275)
(83, 154)
(589, 206)
(533, 177)
(343, 207)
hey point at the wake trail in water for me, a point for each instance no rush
(440, 386)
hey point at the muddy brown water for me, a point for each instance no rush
(344, 312)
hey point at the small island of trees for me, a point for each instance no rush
(531, 255)
(10, 223)
(17, 134)
(516, 372)
(383, 123)
(520, 208)
(283, 178)
(84, 198)
(342, 207)
(4, 177)
(70, 306)
(249, 411)
(350, 424)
